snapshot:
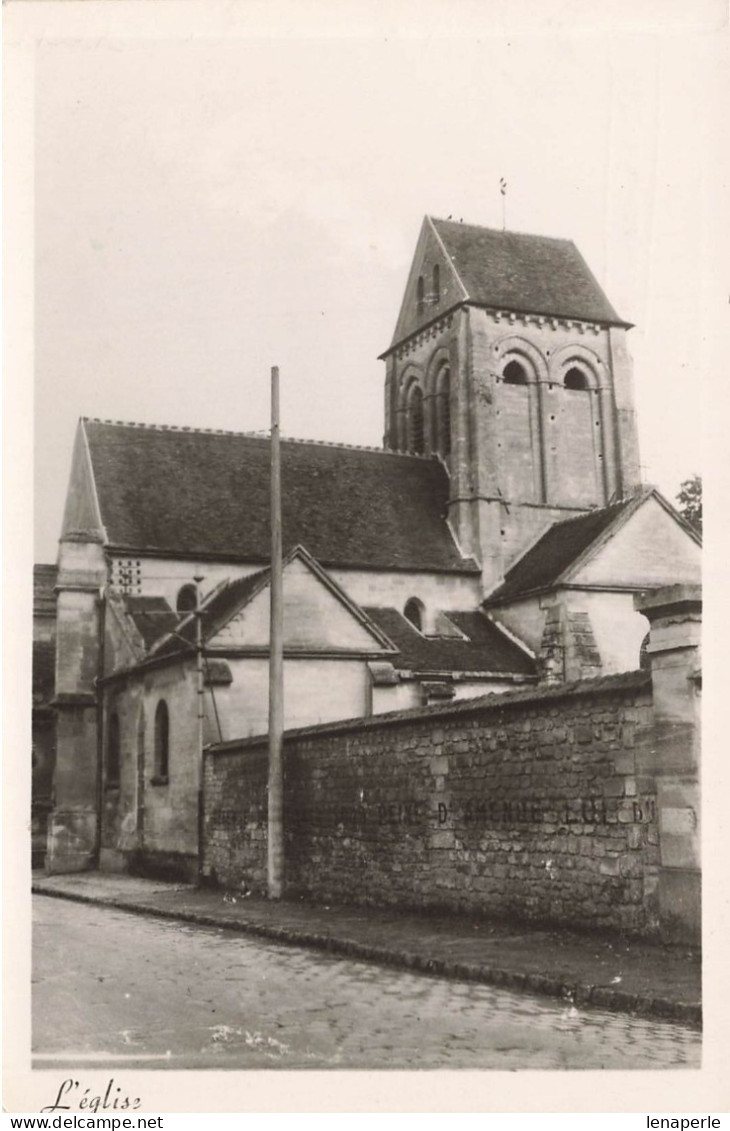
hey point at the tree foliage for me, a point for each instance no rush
(690, 501)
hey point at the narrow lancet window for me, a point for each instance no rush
(113, 753)
(443, 411)
(162, 742)
(416, 438)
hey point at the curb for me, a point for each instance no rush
(577, 993)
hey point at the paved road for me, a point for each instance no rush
(115, 989)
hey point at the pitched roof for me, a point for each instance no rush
(194, 493)
(525, 273)
(228, 598)
(219, 607)
(486, 649)
(555, 551)
(152, 616)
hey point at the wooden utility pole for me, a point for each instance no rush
(276, 665)
(200, 697)
(200, 683)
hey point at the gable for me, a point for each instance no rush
(429, 254)
(649, 549)
(554, 552)
(314, 618)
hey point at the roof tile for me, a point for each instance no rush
(530, 274)
(558, 548)
(192, 493)
(486, 648)
(152, 616)
(217, 610)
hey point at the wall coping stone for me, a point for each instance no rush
(677, 599)
(494, 702)
(73, 699)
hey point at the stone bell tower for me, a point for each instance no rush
(510, 364)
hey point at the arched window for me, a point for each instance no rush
(140, 772)
(575, 379)
(644, 657)
(113, 751)
(518, 461)
(443, 411)
(416, 442)
(414, 613)
(419, 296)
(436, 284)
(187, 599)
(162, 742)
(514, 374)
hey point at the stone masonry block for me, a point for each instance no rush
(625, 762)
(633, 836)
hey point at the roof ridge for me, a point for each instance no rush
(257, 434)
(501, 231)
(166, 427)
(592, 511)
(355, 447)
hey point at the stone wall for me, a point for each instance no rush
(527, 804)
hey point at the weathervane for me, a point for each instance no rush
(503, 191)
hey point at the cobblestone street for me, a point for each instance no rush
(117, 989)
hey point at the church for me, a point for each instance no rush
(496, 540)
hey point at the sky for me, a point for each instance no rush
(208, 208)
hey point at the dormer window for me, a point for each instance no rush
(187, 600)
(413, 612)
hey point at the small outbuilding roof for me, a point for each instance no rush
(555, 551)
(231, 596)
(223, 603)
(485, 647)
(553, 559)
(152, 616)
